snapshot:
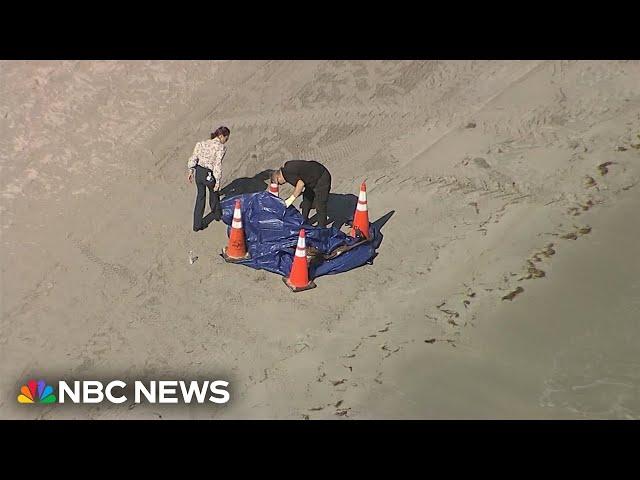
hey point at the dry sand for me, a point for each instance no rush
(475, 165)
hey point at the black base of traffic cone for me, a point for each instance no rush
(308, 286)
(229, 259)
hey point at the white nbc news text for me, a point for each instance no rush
(161, 391)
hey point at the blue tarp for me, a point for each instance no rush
(271, 231)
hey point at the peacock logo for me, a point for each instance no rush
(36, 392)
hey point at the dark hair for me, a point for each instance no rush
(220, 131)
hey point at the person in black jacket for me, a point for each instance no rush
(312, 180)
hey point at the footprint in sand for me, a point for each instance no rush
(569, 236)
(574, 235)
(587, 205)
(434, 340)
(589, 181)
(385, 328)
(389, 350)
(602, 168)
(450, 313)
(548, 250)
(534, 272)
(574, 211)
(512, 295)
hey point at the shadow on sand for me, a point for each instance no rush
(258, 183)
(383, 220)
(340, 209)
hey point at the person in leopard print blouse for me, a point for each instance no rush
(205, 164)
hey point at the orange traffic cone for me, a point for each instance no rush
(298, 280)
(361, 216)
(237, 249)
(274, 189)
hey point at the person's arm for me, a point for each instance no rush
(296, 193)
(217, 167)
(193, 161)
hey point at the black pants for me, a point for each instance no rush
(318, 195)
(214, 198)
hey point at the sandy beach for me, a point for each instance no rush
(506, 285)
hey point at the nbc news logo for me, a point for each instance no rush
(94, 391)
